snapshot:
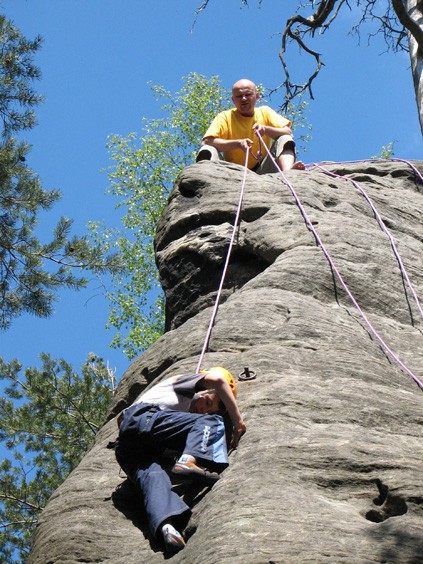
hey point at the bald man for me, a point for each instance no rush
(234, 131)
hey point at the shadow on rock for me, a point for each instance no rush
(126, 498)
(398, 545)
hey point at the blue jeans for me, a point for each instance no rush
(145, 433)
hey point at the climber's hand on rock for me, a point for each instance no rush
(239, 430)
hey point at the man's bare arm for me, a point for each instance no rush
(272, 132)
(221, 387)
(227, 144)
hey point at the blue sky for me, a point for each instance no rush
(97, 61)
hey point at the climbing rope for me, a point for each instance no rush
(225, 268)
(338, 274)
(408, 163)
(381, 224)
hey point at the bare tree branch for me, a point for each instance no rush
(393, 23)
(396, 20)
(394, 34)
(200, 9)
(296, 28)
(204, 6)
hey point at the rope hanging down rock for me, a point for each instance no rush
(225, 268)
(338, 274)
(381, 224)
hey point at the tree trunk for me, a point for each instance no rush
(415, 12)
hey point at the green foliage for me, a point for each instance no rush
(31, 272)
(145, 168)
(386, 151)
(296, 112)
(144, 171)
(48, 419)
(17, 72)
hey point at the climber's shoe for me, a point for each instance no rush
(173, 540)
(190, 471)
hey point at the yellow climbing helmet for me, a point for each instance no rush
(220, 371)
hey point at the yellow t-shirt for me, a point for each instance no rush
(232, 125)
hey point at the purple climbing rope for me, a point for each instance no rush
(410, 164)
(225, 268)
(338, 274)
(382, 226)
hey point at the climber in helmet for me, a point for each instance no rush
(184, 413)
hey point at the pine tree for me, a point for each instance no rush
(31, 272)
(48, 419)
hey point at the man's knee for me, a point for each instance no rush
(208, 153)
(282, 145)
(150, 476)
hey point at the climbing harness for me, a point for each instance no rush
(225, 268)
(340, 278)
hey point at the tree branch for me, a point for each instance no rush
(21, 502)
(325, 13)
(407, 21)
(296, 28)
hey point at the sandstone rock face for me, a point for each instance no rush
(330, 469)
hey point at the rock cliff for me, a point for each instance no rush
(330, 469)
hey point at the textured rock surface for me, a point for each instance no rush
(330, 469)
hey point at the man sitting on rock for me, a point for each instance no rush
(180, 413)
(233, 131)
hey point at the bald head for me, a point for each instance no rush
(245, 96)
(244, 83)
